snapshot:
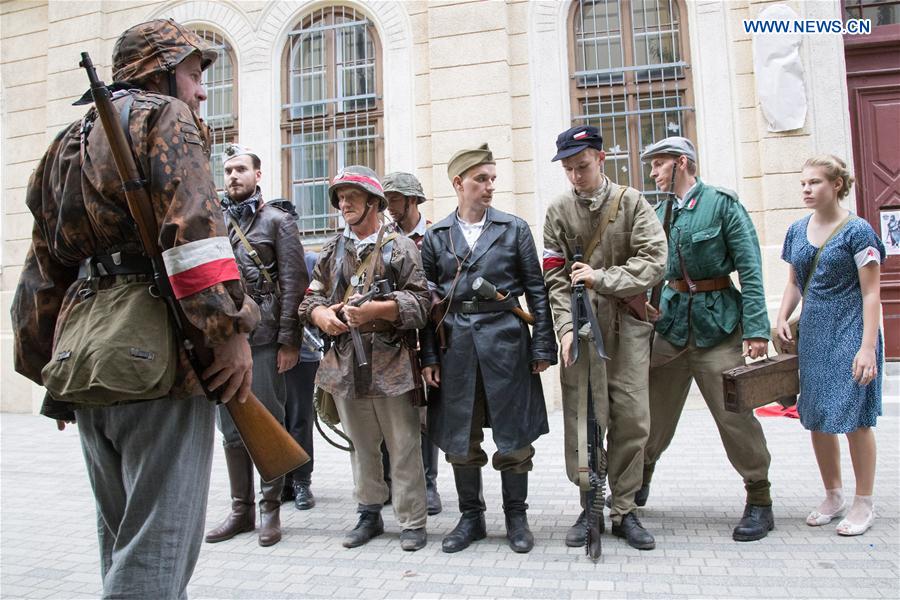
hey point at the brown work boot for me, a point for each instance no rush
(243, 510)
(270, 513)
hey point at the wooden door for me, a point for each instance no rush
(873, 82)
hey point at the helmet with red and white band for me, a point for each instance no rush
(359, 177)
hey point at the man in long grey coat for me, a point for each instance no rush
(491, 363)
(628, 260)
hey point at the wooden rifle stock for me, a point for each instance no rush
(272, 448)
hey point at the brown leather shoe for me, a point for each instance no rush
(243, 509)
(270, 513)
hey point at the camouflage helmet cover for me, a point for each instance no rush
(406, 184)
(156, 47)
(359, 177)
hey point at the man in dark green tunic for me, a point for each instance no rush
(706, 325)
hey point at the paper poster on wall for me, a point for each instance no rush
(890, 231)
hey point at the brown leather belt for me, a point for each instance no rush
(701, 285)
(377, 326)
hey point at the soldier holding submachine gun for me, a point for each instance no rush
(367, 292)
(624, 254)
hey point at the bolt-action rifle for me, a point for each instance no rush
(593, 498)
(272, 448)
(656, 293)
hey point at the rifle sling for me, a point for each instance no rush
(604, 223)
(367, 266)
(584, 470)
(254, 255)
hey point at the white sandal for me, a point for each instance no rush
(816, 519)
(849, 528)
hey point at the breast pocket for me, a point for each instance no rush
(708, 247)
(621, 248)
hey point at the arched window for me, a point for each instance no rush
(332, 113)
(220, 109)
(630, 77)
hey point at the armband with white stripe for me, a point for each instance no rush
(195, 266)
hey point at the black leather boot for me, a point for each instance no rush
(369, 526)
(303, 496)
(471, 525)
(270, 513)
(634, 533)
(756, 524)
(243, 508)
(515, 492)
(430, 462)
(577, 534)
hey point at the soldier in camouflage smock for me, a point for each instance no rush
(149, 461)
(373, 401)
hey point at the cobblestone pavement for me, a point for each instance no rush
(49, 545)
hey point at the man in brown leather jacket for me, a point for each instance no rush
(267, 247)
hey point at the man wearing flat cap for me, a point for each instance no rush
(375, 400)
(266, 244)
(488, 370)
(706, 325)
(623, 254)
(404, 194)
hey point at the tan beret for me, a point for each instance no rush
(464, 160)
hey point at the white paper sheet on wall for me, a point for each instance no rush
(779, 72)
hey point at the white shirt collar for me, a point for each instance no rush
(680, 201)
(419, 229)
(471, 231)
(349, 234)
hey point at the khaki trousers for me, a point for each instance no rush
(367, 421)
(517, 461)
(618, 388)
(741, 433)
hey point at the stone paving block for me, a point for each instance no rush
(692, 519)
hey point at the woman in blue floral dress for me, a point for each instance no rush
(840, 346)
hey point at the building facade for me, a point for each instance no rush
(312, 86)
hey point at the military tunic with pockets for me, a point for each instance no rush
(699, 337)
(628, 260)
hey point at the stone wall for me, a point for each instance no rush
(455, 74)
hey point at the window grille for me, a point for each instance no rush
(332, 112)
(881, 12)
(631, 80)
(220, 109)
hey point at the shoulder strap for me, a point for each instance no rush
(604, 223)
(815, 262)
(250, 251)
(367, 266)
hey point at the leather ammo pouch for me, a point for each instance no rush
(635, 306)
(117, 345)
(770, 380)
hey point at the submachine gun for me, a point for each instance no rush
(379, 289)
(593, 499)
(271, 447)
